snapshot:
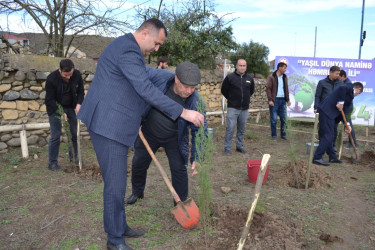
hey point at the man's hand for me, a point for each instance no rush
(77, 108)
(315, 111)
(348, 129)
(192, 116)
(339, 106)
(271, 103)
(64, 117)
(288, 103)
(195, 172)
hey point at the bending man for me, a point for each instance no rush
(161, 131)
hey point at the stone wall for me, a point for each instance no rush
(22, 94)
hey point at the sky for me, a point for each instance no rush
(286, 27)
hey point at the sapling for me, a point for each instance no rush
(292, 151)
(204, 163)
(65, 124)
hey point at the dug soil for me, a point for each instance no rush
(41, 209)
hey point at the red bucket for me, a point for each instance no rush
(253, 167)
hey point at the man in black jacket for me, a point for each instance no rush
(65, 87)
(237, 88)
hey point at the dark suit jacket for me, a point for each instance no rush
(344, 93)
(118, 95)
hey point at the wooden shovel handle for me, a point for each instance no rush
(350, 134)
(161, 169)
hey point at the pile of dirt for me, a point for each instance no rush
(267, 231)
(295, 174)
(368, 159)
(91, 171)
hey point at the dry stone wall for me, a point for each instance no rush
(22, 94)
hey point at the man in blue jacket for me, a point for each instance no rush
(347, 81)
(329, 110)
(161, 131)
(65, 87)
(112, 112)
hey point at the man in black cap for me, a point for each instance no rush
(161, 131)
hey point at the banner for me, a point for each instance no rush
(304, 74)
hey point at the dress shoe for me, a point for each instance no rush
(111, 246)
(335, 161)
(133, 199)
(133, 233)
(274, 138)
(54, 167)
(284, 138)
(321, 162)
(241, 150)
(226, 152)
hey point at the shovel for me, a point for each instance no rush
(350, 136)
(187, 212)
(79, 144)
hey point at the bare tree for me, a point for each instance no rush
(58, 18)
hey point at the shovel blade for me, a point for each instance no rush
(186, 213)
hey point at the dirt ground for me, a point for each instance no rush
(41, 209)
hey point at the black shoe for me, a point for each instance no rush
(335, 161)
(110, 246)
(133, 233)
(284, 138)
(54, 167)
(241, 150)
(226, 152)
(274, 138)
(133, 199)
(321, 162)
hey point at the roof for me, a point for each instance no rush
(9, 36)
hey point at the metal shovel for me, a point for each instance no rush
(186, 213)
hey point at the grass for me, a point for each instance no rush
(32, 197)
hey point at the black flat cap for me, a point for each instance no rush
(188, 73)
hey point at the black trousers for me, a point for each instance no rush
(326, 125)
(142, 159)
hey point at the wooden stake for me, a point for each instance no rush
(24, 148)
(258, 186)
(312, 149)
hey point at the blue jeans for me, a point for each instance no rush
(55, 128)
(239, 117)
(279, 109)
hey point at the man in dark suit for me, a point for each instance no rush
(329, 110)
(112, 112)
(350, 109)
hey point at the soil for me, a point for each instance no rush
(295, 175)
(267, 231)
(41, 209)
